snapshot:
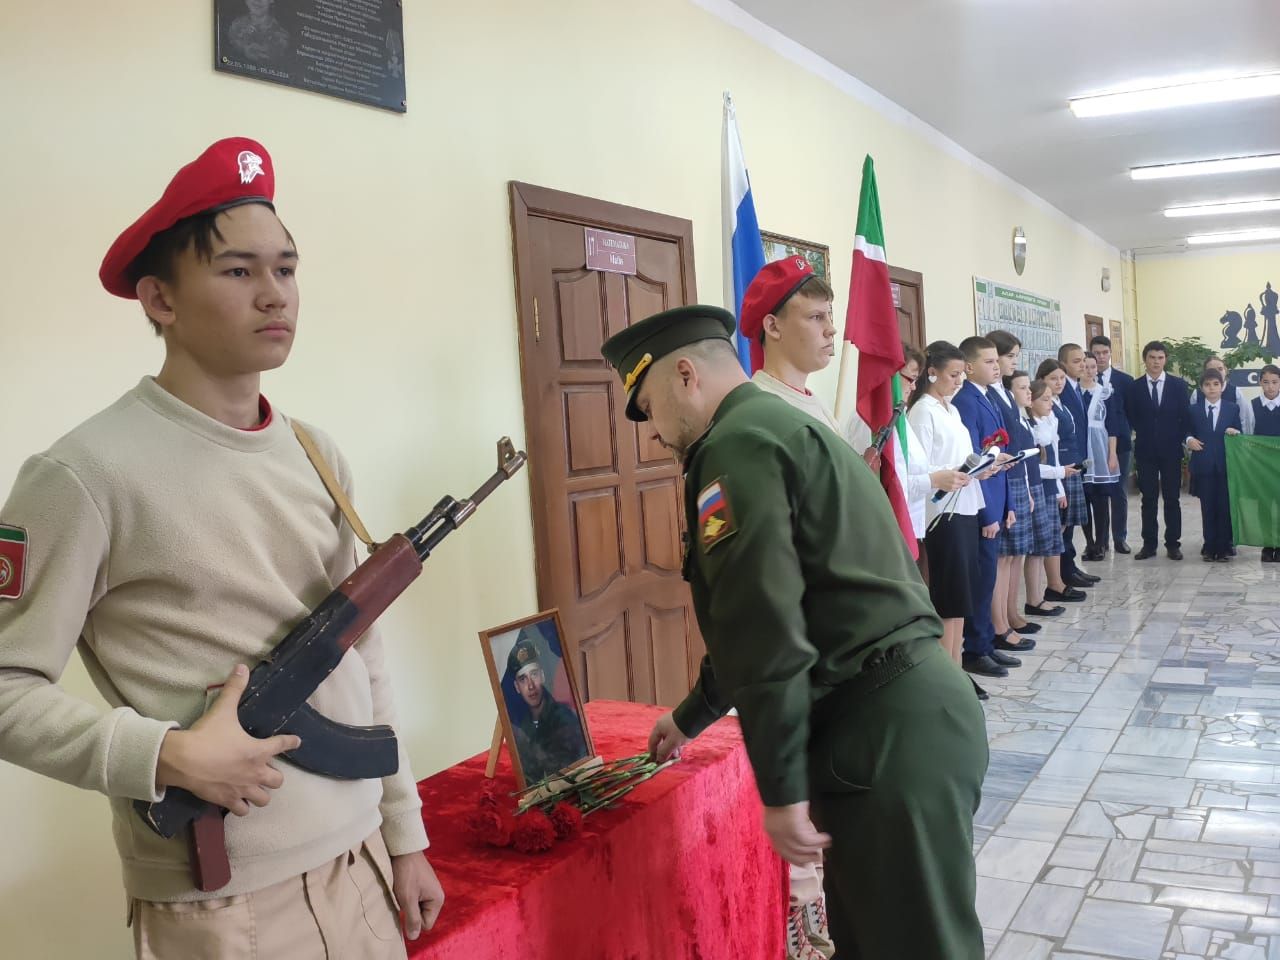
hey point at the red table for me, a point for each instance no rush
(681, 868)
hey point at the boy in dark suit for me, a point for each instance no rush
(1212, 420)
(982, 418)
(1158, 408)
(1118, 427)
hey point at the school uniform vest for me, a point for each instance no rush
(1266, 423)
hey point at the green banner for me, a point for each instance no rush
(1253, 479)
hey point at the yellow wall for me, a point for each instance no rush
(407, 349)
(1185, 295)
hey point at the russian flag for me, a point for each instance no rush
(742, 244)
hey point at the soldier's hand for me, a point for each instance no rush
(217, 761)
(794, 837)
(666, 739)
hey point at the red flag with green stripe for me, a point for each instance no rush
(871, 325)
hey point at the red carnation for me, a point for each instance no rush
(489, 795)
(999, 439)
(534, 833)
(490, 827)
(567, 819)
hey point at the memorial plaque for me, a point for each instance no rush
(352, 49)
(610, 252)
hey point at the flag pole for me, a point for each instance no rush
(842, 394)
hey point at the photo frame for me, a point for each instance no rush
(539, 707)
(778, 246)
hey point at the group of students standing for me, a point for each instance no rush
(1058, 468)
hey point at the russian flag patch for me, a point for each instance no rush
(715, 520)
(13, 561)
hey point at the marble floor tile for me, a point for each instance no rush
(1132, 806)
(1008, 858)
(1116, 929)
(1048, 909)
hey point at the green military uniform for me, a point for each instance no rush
(553, 740)
(821, 633)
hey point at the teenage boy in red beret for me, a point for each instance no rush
(173, 539)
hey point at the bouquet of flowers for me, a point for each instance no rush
(540, 821)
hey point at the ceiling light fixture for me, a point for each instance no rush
(1232, 206)
(1240, 236)
(1204, 168)
(1177, 95)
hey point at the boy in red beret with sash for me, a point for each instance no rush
(173, 539)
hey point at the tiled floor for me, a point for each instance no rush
(1132, 808)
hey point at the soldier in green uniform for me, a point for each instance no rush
(820, 632)
(549, 738)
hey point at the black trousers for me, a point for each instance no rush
(1119, 494)
(1161, 479)
(1215, 512)
(1098, 531)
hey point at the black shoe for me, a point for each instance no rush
(1092, 578)
(984, 667)
(1222, 558)
(1042, 611)
(1122, 547)
(1070, 595)
(982, 694)
(1146, 553)
(1004, 659)
(1208, 557)
(1204, 551)
(1077, 580)
(1268, 554)
(1097, 553)
(1025, 645)
(1174, 553)
(1027, 628)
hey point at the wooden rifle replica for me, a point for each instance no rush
(275, 698)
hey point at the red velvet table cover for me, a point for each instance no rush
(681, 868)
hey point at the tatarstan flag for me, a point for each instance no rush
(13, 561)
(871, 325)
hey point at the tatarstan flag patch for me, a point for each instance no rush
(13, 561)
(715, 520)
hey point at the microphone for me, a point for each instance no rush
(971, 463)
(1083, 465)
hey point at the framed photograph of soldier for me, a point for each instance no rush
(778, 247)
(539, 707)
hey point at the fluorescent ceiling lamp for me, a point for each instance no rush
(1234, 206)
(1240, 236)
(1204, 168)
(1177, 95)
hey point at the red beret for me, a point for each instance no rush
(771, 288)
(232, 171)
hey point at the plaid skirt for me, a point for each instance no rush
(1046, 523)
(1077, 512)
(1017, 541)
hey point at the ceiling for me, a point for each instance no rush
(995, 76)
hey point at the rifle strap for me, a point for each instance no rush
(331, 484)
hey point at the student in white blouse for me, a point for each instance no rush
(951, 541)
(921, 479)
(1052, 473)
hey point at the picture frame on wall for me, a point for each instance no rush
(778, 246)
(539, 706)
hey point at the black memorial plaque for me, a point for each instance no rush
(353, 49)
